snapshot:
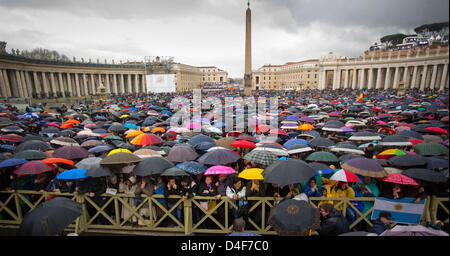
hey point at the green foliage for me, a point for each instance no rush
(393, 39)
(433, 27)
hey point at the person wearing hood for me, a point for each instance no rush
(129, 187)
(332, 222)
(311, 189)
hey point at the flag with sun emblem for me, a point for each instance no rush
(404, 210)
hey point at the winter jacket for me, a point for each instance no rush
(186, 191)
(172, 192)
(310, 193)
(379, 227)
(231, 191)
(337, 192)
(333, 224)
(97, 186)
(202, 187)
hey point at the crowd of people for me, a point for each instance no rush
(308, 121)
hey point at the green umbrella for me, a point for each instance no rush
(31, 154)
(174, 171)
(322, 157)
(430, 149)
(113, 138)
(349, 118)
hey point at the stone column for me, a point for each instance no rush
(335, 79)
(322, 79)
(115, 88)
(77, 85)
(3, 85)
(387, 79)
(45, 83)
(107, 84)
(24, 84)
(370, 82)
(37, 85)
(361, 82)
(84, 85)
(424, 76)
(144, 85)
(61, 85)
(405, 75)
(129, 88)
(29, 83)
(379, 78)
(354, 79)
(7, 83)
(347, 73)
(52, 83)
(69, 84)
(122, 84)
(444, 77)
(136, 83)
(433, 77)
(21, 92)
(414, 77)
(396, 74)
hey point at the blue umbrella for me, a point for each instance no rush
(101, 118)
(12, 162)
(30, 114)
(313, 133)
(130, 126)
(99, 131)
(72, 174)
(292, 142)
(437, 163)
(8, 147)
(192, 167)
(98, 149)
(293, 117)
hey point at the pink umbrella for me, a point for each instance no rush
(90, 125)
(193, 126)
(381, 122)
(402, 128)
(52, 124)
(278, 132)
(345, 176)
(219, 170)
(400, 179)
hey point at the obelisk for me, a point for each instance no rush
(248, 52)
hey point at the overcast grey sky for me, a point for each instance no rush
(210, 32)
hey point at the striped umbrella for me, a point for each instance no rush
(33, 168)
(391, 153)
(345, 176)
(146, 139)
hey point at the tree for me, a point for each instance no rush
(433, 29)
(44, 54)
(392, 40)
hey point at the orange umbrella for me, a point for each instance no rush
(65, 126)
(58, 160)
(305, 127)
(146, 139)
(158, 129)
(73, 121)
(134, 134)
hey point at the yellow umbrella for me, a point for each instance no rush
(158, 129)
(117, 150)
(252, 174)
(134, 134)
(123, 116)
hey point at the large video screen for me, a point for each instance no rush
(161, 83)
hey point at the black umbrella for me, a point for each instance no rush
(33, 145)
(152, 165)
(98, 171)
(218, 157)
(410, 134)
(408, 160)
(437, 163)
(51, 129)
(321, 142)
(50, 218)
(182, 153)
(71, 152)
(117, 128)
(288, 171)
(31, 154)
(425, 174)
(395, 140)
(294, 217)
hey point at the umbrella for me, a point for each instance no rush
(11, 137)
(219, 170)
(251, 174)
(12, 162)
(365, 167)
(408, 160)
(390, 170)
(120, 158)
(425, 174)
(391, 153)
(288, 171)
(437, 163)
(278, 132)
(33, 145)
(98, 171)
(226, 143)
(50, 218)
(12, 128)
(72, 174)
(430, 149)
(292, 142)
(321, 142)
(412, 230)
(91, 143)
(118, 128)
(152, 166)
(345, 176)
(358, 233)
(192, 167)
(133, 134)
(31, 155)
(347, 148)
(243, 144)
(64, 141)
(199, 138)
(182, 153)
(118, 150)
(399, 179)
(99, 149)
(261, 157)
(113, 138)
(219, 157)
(146, 139)
(347, 157)
(144, 153)
(322, 157)
(437, 130)
(174, 171)
(365, 136)
(410, 134)
(395, 140)
(298, 148)
(71, 152)
(89, 163)
(54, 160)
(32, 168)
(432, 139)
(294, 217)
(305, 127)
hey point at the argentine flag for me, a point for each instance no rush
(403, 210)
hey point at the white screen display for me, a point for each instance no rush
(161, 83)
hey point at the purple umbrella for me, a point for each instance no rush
(365, 167)
(306, 119)
(416, 230)
(445, 142)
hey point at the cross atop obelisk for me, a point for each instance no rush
(248, 52)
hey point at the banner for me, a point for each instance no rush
(403, 210)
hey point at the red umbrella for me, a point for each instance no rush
(243, 144)
(58, 160)
(11, 137)
(415, 141)
(444, 119)
(400, 179)
(278, 132)
(32, 168)
(436, 130)
(262, 128)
